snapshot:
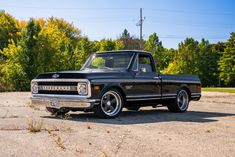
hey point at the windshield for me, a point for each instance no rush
(108, 61)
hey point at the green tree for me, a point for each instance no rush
(129, 42)
(8, 29)
(218, 50)
(43, 46)
(83, 50)
(207, 64)
(167, 57)
(13, 75)
(185, 60)
(28, 42)
(58, 41)
(19, 65)
(199, 58)
(227, 62)
(108, 45)
(154, 45)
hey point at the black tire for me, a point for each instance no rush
(181, 103)
(54, 111)
(111, 104)
(136, 108)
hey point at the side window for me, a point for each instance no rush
(145, 64)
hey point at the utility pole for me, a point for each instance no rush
(140, 24)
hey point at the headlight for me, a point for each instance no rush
(82, 88)
(34, 87)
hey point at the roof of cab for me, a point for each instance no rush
(116, 51)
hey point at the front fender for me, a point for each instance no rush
(106, 86)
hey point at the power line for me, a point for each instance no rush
(190, 12)
(132, 19)
(149, 9)
(65, 8)
(206, 37)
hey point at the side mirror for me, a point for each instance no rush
(142, 69)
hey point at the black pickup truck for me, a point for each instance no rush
(111, 80)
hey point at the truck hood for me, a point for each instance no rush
(85, 74)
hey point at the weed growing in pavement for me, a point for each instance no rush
(35, 125)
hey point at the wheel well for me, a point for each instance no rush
(188, 91)
(118, 89)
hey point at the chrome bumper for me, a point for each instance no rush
(63, 101)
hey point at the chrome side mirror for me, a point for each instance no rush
(143, 70)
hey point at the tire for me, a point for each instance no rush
(111, 104)
(54, 111)
(180, 104)
(133, 108)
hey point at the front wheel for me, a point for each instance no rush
(181, 102)
(110, 105)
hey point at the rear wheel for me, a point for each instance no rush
(110, 105)
(181, 102)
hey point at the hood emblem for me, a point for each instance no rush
(55, 75)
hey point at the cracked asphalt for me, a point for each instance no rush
(206, 129)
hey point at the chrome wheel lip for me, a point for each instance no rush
(182, 100)
(115, 105)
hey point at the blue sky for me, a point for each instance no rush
(172, 20)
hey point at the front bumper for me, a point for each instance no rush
(63, 101)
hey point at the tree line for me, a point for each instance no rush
(28, 48)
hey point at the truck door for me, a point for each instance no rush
(146, 80)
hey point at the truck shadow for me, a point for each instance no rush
(148, 116)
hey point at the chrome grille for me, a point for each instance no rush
(61, 87)
(57, 88)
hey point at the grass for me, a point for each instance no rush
(33, 106)
(228, 90)
(88, 126)
(104, 154)
(35, 125)
(78, 150)
(59, 142)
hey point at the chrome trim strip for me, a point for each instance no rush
(150, 98)
(144, 80)
(194, 96)
(131, 60)
(60, 103)
(137, 63)
(172, 97)
(65, 99)
(180, 81)
(195, 93)
(143, 99)
(141, 96)
(156, 96)
(125, 80)
(169, 94)
(58, 96)
(59, 80)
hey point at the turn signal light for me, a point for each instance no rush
(97, 88)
